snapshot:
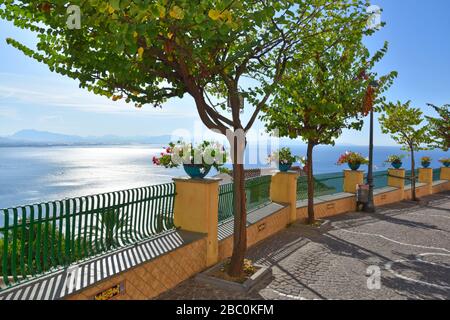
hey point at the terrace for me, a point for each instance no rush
(144, 241)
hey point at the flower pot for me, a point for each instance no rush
(196, 171)
(285, 167)
(354, 166)
(397, 165)
(426, 164)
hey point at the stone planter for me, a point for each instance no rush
(397, 165)
(285, 167)
(196, 171)
(354, 166)
(206, 277)
(426, 164)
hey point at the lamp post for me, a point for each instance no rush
(370, 206)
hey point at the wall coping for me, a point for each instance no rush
(384, 190)
(225, 229)
(200, 181)
(439, 182)
(57, 285)
(418, 185)
(326, 198)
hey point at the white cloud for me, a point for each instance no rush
(51, 91)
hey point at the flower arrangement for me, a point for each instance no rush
(196, 160)
(353, 159)
(426, 161)
(283, 158)
(395, 161)
(445, 161)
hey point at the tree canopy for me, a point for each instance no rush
(440, 127)
(149, 51)
(323, 95)
(405, 125)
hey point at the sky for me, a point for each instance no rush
(32, 97)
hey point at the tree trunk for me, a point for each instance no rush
(413, 176)
(310, 177)
(238, 143)
(240, 222)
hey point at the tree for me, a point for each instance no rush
(323, 95)
(148, 52)
(404, 124)
(440, 127)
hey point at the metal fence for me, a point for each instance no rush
(436, 174)
(35, 239)
(324, 184)
(380, 179)
(257, 192)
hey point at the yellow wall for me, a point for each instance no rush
(283, 189)
(396, 182)
(352, 179)
(445, 173)
(196, 209)
(152, 278)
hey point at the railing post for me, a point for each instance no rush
(396, 178)
(352, 178)
(196, 209)
(445, 173)
(283, 189)
(426, 176)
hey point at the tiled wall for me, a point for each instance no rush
(257, 232)
(154, 277)
(388, 197)
(328, 209)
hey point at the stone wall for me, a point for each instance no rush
(150, 279)
(257, 232)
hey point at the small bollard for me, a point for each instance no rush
(362, 196)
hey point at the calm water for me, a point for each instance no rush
(30, 175)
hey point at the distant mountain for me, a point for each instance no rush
(44, 138)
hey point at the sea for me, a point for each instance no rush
(38, 174)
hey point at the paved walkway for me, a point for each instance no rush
(410, 244)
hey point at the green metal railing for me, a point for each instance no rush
(380, 179)
(436, 174)
(225, 201)
(257, 192)
(35, 239)
(324, 184)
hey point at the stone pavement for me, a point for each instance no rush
(409, 242)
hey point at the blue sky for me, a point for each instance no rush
(31, 97)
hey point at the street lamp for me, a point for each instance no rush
(370, 206)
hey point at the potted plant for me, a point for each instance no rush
(197, 160)
(395, 161)
(283, 158)
(426, 162)
(445, 162)
(354, 160)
